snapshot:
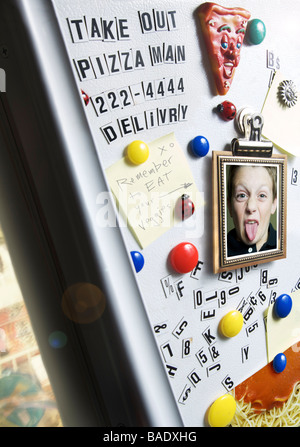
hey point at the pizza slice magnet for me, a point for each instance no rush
(224, 31)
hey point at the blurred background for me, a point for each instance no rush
(26, 396)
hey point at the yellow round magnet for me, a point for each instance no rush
(137, 152)
(221, 412)
(231, 323)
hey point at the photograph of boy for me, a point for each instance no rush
(251, 201)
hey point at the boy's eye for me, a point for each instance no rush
(262, 195)
(241, 196)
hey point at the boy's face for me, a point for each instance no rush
(252, 204)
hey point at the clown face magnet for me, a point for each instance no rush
(224, 31)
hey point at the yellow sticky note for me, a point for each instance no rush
(147, 193)
(282, 333)
(281, 123)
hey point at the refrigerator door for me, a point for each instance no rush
(117, 141)
(77, 279)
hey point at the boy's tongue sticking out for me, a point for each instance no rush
(251, 229)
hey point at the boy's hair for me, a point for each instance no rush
(233, 170)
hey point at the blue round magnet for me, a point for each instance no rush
(138, 260)
(283, 305)
(200, 146)
(279, 363)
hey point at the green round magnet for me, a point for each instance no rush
(256, 31)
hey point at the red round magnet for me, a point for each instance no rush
(184, 257)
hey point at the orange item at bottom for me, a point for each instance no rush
(267, 389)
